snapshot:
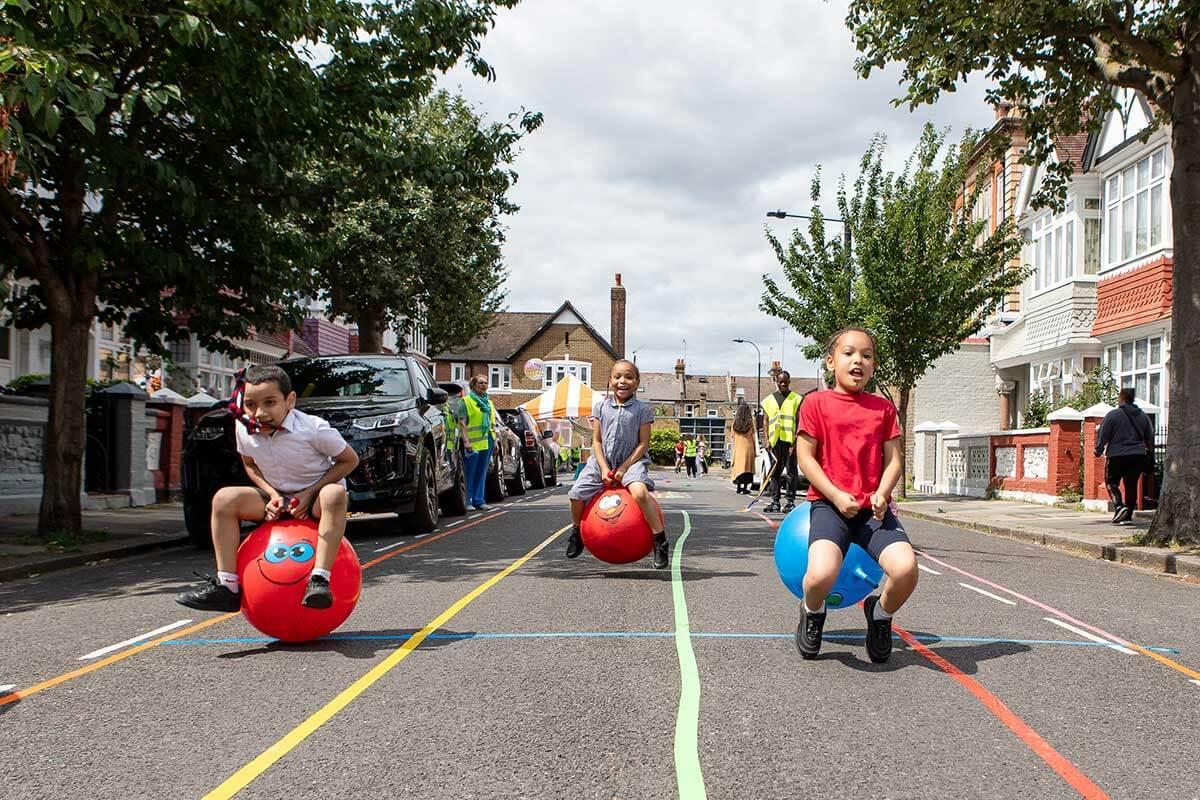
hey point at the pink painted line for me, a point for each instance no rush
(1050, 609)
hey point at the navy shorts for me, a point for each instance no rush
(872, 535)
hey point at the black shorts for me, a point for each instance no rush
(872, 535)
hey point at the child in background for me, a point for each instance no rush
(849, 449)
(621, 454)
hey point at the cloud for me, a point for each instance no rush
(671, 129)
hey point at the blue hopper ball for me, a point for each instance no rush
(860, 573)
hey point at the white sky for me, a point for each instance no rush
(671, 128)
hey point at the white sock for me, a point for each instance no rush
(879, 613)
(821, 610)
(324, 573)
(230, 581)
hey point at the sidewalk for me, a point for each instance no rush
(1084, 533)
(107, 534)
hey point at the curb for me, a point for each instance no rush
(78, 559)
(1156, 559)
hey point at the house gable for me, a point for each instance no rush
(1131, 118)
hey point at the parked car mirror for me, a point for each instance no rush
(547, 434)
(436, 396)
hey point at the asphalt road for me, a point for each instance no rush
(480, 663)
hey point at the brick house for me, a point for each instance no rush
(562, 339)
(706, 404)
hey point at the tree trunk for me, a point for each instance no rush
(1178, 516)
(370, 330)
(66, 428)
(902, 411)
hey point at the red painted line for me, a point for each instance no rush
(1065, 769)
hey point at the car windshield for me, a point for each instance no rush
(384, 377)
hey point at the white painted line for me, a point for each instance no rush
(1193, 680)
(135, 640)
(1092, 636)
(924, 568)
(8, 687)
(473, 516)
(987, 594)
(420, 535)
(452, 524)
(390, 546)
(506, 505)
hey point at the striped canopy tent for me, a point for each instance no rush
(570, 398)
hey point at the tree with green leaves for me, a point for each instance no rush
(1060, 62)
(410, 222)
(154, 147)
(912, 271)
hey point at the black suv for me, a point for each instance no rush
(540, 465)
(387, 408)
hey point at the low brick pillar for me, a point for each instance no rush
(1066, 444)
(1095, 492)
(174, 405)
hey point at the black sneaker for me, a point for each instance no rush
(808, 632)
(318, 595)
(1116, 517)
(879, 632)
(791, 504)
(211, 595)
(1126, 516)
(574, 544)
(660, 554)
(772, 507)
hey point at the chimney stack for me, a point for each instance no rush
(680, 377)
(616, 333)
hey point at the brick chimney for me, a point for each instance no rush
(616, 333)
(680, 377)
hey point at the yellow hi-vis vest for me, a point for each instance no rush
(479, 442)
(781, 420)
(689, 448)
(451, 411)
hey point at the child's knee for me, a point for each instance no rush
(639, 491)
(333, 497)
(900, 564)
(228, 498)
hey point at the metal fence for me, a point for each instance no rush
(1159, 457)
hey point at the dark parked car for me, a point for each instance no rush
(540, 466)
(388, 409)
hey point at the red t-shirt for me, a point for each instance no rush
(850, 430)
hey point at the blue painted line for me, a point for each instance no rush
(399, 637)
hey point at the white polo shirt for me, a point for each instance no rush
(296, 455)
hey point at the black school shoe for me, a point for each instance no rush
(879, 632)
(1126, 516)
(318, 595)
(211, 595)
(574, 544)
(1116, 517)
(772, 507)
(808, 633)
(661, 550)
(791, 504)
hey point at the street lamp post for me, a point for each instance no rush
(758, 384)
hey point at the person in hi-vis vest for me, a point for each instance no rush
(780, 422)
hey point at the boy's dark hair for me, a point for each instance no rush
(833, 340)
(1127, 395)
(783, 372)
(269, 374)
(637, 373)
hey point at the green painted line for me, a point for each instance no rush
(687, 751)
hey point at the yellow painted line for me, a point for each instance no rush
(247, 774)
(21, 694)
(1191, 673)
(12, 697)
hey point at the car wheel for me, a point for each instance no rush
(197, 516)
(517, 486)
(424, 516)
(538, 479)
(454, 499)
(496, 489)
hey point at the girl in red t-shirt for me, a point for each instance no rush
(849, 449)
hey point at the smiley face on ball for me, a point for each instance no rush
(610, 508)
(287, 558)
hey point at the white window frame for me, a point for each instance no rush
(458, 371)
(689, 410)
(1055, 249)
(1128, 192)
(1144, 366)
(555, 371)
(499, 377)
(712, 412)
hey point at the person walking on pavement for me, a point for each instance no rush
(678, 456)
(702, 454)
(742, 469)
(479, 441)
(1126, 438)
(781, 413)
(689, 455)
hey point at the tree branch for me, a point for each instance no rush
(1118, 73)
(1152, 56)
(33, 243)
